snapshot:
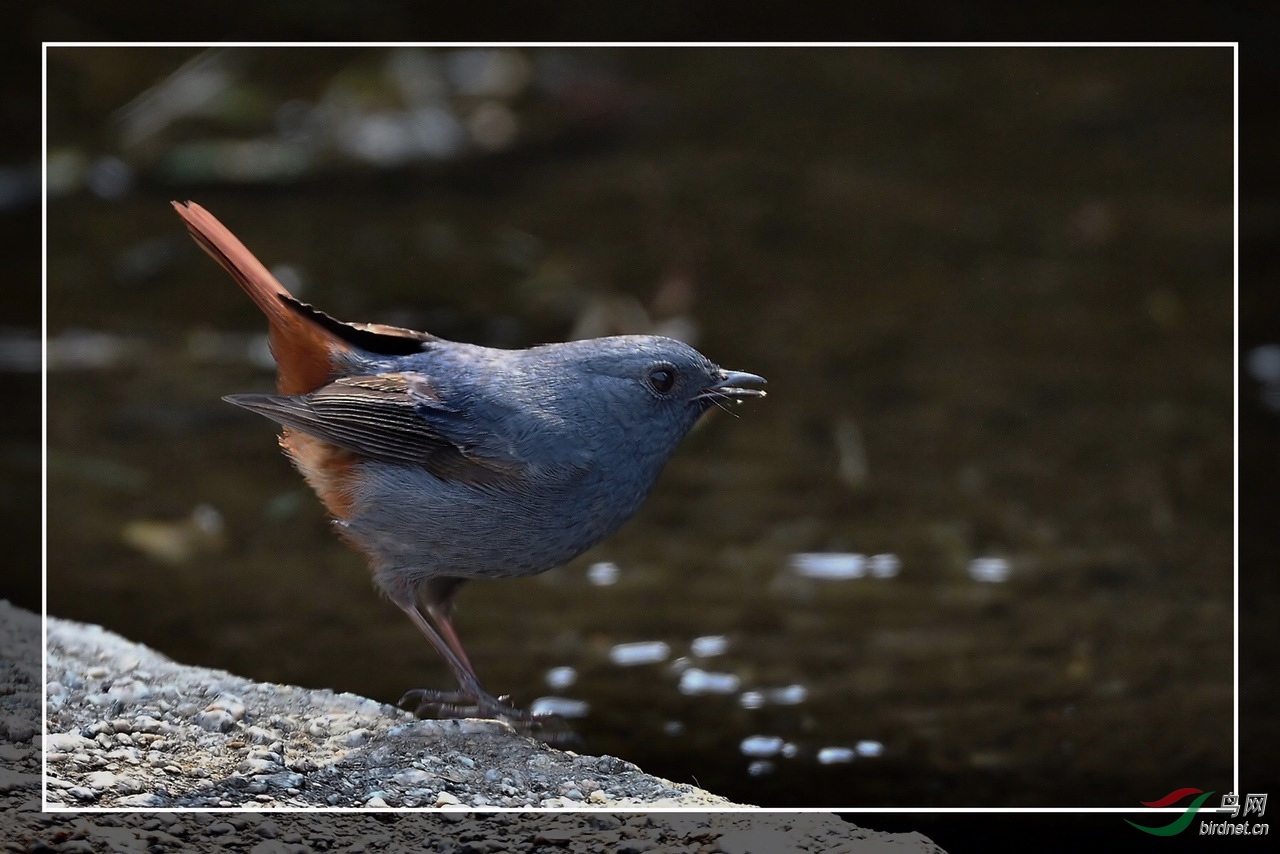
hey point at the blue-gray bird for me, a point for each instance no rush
(443, 461)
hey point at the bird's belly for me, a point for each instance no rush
(410, 521)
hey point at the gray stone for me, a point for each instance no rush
(758, 841)
(217, 720)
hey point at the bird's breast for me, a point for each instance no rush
(407, 517)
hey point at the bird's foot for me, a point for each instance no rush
(551, 729)
(428, 703)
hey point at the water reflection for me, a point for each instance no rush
(869, 748)
(1263, 364)
(836, 755)
(696, 681)
(564, 707)
(20, 351)
(842, 566)
(84, 349)
(709, 646)
(828, 567)
(107, 177)
(884, 566)
(213, 346)
(177, 542)
(603, 573)
(761, 745)
(559, 678)
(990, 570)
(639, 652)
(218, 118)
(791, 695)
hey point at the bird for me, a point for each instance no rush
(444, 462)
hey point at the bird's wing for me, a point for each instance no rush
(398, 418)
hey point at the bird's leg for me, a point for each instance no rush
(440, 608)
(472, 698)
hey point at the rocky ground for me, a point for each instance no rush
(132, 730)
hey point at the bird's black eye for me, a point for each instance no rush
(662, 379)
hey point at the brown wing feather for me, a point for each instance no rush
(376, 417)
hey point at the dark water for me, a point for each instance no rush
(991, 291)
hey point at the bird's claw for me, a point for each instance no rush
(451, 705)
(461, 704)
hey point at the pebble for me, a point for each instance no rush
(260, 735)
(412, 777)
(258, 765)
(230, 704)
(638, 846)
(601, 821)
(553, 837)
(11, 781)
(557, 803)
(354, 738)
(217, 720)
(148, 724)
(276, 846)
(756, 840)
(302, 764)
(101, 779)
(13, 753)
(131, 691)
(614, 765)
(67, 742)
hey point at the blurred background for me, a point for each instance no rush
(975, 548)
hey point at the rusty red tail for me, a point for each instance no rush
(303, 348)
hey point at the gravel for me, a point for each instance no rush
(128, 729)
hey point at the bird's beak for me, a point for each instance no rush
(729, 386)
